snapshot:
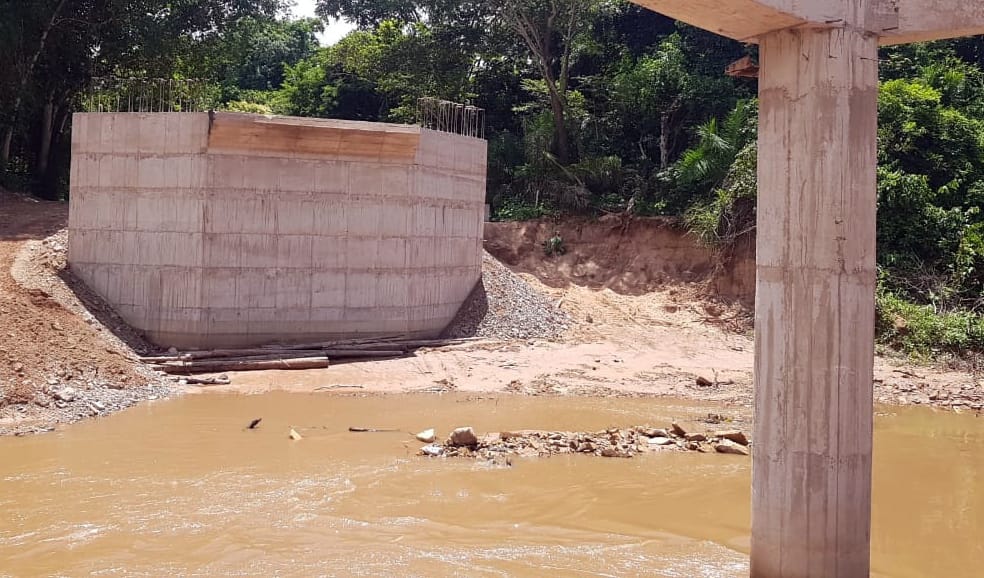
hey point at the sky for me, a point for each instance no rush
(333, 30)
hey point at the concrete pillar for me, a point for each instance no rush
(814, 331)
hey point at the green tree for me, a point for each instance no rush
(365, 76)
(50, 50)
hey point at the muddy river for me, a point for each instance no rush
(179, 487)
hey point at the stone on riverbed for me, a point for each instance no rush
(427, 436)
(661, 441)
(462, 437)
(431, 450)
(726, 446)
(734, 435)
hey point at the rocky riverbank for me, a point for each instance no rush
(58, 403)
(609, 443)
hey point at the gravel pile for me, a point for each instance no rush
(503, 306)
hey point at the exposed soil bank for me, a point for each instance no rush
(630, 257)
(58, 361)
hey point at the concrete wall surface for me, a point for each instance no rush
(232, 229)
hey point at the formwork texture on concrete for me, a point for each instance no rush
(229, 229)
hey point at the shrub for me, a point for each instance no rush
(518, 210)
(244, 106)
(730, 214)
(922, 331)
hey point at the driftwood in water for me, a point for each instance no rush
(336, 343)
(240, 353)
(264, 354)
(244, 365)
(363, 353)
(408, 344)
(368, 344)
(338, 386)
(228, 354)
(349, 349)
(392, 344)
(217, 380)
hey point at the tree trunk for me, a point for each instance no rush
(664, 140)
(8, 135)
(19, 94)
(561, 143)
(47, 118)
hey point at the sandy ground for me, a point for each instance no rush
(658, 343)
(668, 341)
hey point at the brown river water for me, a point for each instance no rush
(180, 488)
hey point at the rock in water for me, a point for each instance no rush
(727, 446)
(463, 436)
(294, 435)
(432, 450)
(677, 430)
(661, 441)
(733, 435)
(427, 436)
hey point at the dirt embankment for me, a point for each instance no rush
(58, 363)
(646, 287)
(630, 257)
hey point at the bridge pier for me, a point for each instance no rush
(815, 302)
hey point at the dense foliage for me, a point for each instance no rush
(592, 106)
